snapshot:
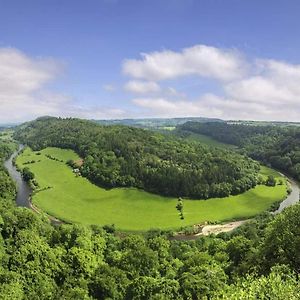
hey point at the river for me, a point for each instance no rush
(23, 189)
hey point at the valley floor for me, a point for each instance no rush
(74, 199)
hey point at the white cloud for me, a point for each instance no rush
(278, 69)
(172, 92)
(24, 94)
(92, 112)
(109, 87)
(275, 83)
(199, 60)
(142, 87)
(21, 75)
(21, 81)
(162, 107)
(261, 89)
(212, 106)
(148, 88)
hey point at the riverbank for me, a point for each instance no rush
(293, 197)
(205, 230)
(23, 190)
(54, 179)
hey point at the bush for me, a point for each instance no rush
(271, 181)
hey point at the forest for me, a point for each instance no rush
(260, 260)
(276, 146)
(122, 156)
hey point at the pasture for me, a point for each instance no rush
(207, 140)
(75, 199)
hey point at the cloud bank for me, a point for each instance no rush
(24, 93)
(142, 87)
(260, 89)
(199, 60)
(159, 85)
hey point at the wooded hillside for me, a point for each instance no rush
(126, 156)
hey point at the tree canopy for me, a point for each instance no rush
(125, 156)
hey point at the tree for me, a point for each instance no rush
(179, 207)
(271, 181)
(281, 244)
(202, 281)
(27, 174)
(108, 283)
(280, 284)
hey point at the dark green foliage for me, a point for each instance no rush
(280, 284)
(124, 156)
(27, 174)
(270, 181)
(278, 146)
(282, 240)
(71, 163)
(6, 149)
(179, 207)
(7, 188)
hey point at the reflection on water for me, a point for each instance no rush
(23, 190)
(292, 198)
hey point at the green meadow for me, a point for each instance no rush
(75, 199)
(204, 139)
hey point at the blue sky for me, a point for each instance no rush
(229, 59)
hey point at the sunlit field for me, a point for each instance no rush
(75, 199)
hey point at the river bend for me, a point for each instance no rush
(24, 191)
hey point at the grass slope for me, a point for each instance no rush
(75, 199)
(204, 139)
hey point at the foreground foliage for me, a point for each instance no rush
(125, 156)
(40, 261)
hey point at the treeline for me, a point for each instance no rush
(6, 148)
(39, 261)
(7, 188)
(278, 146)
(126, 156)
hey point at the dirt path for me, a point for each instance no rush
(211, 229)
(215, 229)
(52, 219)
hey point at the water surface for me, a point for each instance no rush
(23, 189)
(292, 198)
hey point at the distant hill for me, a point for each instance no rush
(262, 123)
(9, 125)
(156, 122)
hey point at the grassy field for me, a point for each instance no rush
(75, 199)
(170, 128)
(201, 138)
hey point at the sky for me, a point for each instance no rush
(114, 59)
